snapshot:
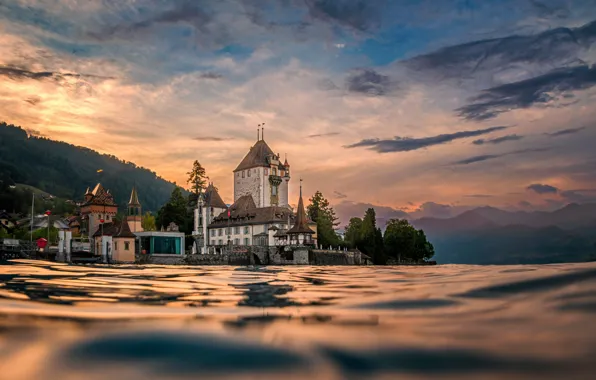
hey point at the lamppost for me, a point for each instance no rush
(48, 212)
(229, 227)
(101, 221)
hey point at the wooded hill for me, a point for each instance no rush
(65, 170)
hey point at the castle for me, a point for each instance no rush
(260, 214)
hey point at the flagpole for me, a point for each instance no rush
(32, 212)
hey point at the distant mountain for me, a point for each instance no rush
(66, 170)
(487, 235)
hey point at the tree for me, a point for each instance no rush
(197, 179)
(403, 241)
(319, 205)
(148, 222)
(173, 211)
(326, 235)
(370, 243)
(353, 231)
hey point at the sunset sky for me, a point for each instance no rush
(425, 106)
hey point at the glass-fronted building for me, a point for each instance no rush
(161, 243)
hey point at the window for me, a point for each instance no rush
(266, 171)
(248, 172)
(220, 232)
(237, 241)
(107, 217)
(246, 242)
(238, 174)
(212, 242)
(236, 230)
(220, 242)
(243, 174)
(115, 246)
(212, 232)
(274, 171)
(126, 245)
(274, 190)
(246, 230)
(227, 231)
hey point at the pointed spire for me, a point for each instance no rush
(301, 225)
(134, 198)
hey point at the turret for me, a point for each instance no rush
(134, 212)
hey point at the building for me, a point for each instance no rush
(97, 208)
(116, 242)
(260, 214)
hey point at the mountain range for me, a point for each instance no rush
(488, 235)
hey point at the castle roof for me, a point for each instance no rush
(301, 224)
(134, 198)
(100, 196)
(244, 212)
(115, 230)
(256, 156)
(212, 197)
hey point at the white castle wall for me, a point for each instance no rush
(249, 185)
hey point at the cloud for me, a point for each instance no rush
(339, 195)
(33, 100)
(323, 135)
(360, 15)
(524, 55)
(405, 144)
(20, 74)
(564, 132)
(542, 89)
(478, 196)
(211, 138)
(347, 209)
(486, 157)
(368, 81)
(579, 195)
(210, 75)
(498, 140)
(542, 189)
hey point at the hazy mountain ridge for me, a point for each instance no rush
(487, 235)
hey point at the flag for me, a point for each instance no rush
(228, 213)
(48, 213)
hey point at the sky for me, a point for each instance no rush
(428, 107)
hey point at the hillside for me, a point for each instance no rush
(66, 170)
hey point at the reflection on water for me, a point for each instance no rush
(457, 321)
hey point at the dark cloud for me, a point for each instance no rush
(524, 204)
(579, 195)
(211, 138)
(362, 15)
(33, 100)
(564, 132)
(527, 93)
(323, 134)
(487, 157)
(404, 144)
(19, 74)
(498, 140)
(327, 85)
(368, 81)
(339, 195)
(560, 47)
(210, 75)
(542, 188)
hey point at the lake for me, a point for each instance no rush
(451, 321)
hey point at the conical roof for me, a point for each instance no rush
(301, 224)
(134, 198)
(212, 197)
(256, 156)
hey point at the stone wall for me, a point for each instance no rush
(323, 257)
(249, 185)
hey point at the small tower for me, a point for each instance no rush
(300, 233)
(134, 212)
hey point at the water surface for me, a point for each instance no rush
(453, 321)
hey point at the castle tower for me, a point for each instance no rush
(263, 176)
(134, 212)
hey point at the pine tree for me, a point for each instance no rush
(197, 178)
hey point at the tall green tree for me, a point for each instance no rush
(353, 232)
(371, 243)
(403, 242)
(318, 206)
(148, 222)
(197, 179)
(174, 210)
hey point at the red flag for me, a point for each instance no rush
(228, 213)
(48, 213)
